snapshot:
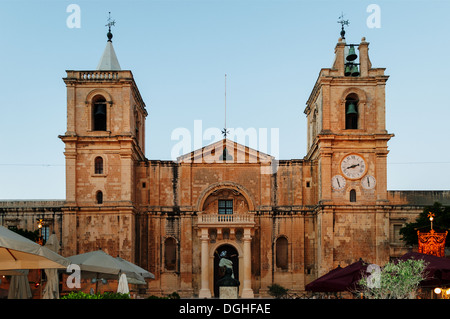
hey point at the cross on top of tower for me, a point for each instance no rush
(110, 23)
(225, 132)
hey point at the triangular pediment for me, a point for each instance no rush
(225, 151)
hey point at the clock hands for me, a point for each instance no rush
(353, 166)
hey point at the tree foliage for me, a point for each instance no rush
(106, 295)
(396, 280)
(277, 291)
(441, 222)
(31, 235)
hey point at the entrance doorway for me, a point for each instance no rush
(232, 255)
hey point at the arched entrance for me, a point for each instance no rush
(233, 255)
(225, 222)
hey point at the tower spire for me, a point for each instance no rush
(109, 60)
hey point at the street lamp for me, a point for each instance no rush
(431, 216)
(445, 293)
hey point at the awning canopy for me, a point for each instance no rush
(339, 279)
(437, 271)
(98, 264)
(18, 252)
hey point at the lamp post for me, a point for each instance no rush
(431, 217)
(40, 241)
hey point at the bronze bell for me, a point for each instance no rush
(351, 54)
(351, 109)
(100, 110)
(348, 69)
(355, 71)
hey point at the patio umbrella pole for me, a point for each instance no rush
(15, 259)
(96, 283)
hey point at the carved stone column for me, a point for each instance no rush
(247, 291)
(205, 292)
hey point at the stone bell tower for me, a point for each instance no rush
(347, 142)
(103, 142)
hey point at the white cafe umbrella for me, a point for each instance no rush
(18, 252)
(97, 264)
(51, 290)
(19, 287)
(123, 285)
(144, 273)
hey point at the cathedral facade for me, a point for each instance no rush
(279, 221)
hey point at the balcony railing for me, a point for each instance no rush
(234, 219)
(99, 75)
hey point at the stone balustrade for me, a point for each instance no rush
(99, 75)
(232, 219)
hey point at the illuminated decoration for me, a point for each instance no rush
(443, 293)
(40, 240)
(432, 243)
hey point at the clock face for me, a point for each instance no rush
(338, 182)
(368, 182)
(353, 166)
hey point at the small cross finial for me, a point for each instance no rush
(110, 23)
(342, 22)
(225, 132)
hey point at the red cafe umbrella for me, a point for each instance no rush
(339, 279)
(437, 271)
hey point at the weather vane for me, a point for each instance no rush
(110, 23)
(343, 22)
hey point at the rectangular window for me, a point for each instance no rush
(45, 233)
(225, 206)
(397, 236)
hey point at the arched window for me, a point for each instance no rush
(99, 197)
(98, 113)
(170, 253)
(352, 196)
(98, 165)
(351, 112)
(282, 253)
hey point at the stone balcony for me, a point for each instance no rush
(226, 220)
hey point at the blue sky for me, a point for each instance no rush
(179, 52)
